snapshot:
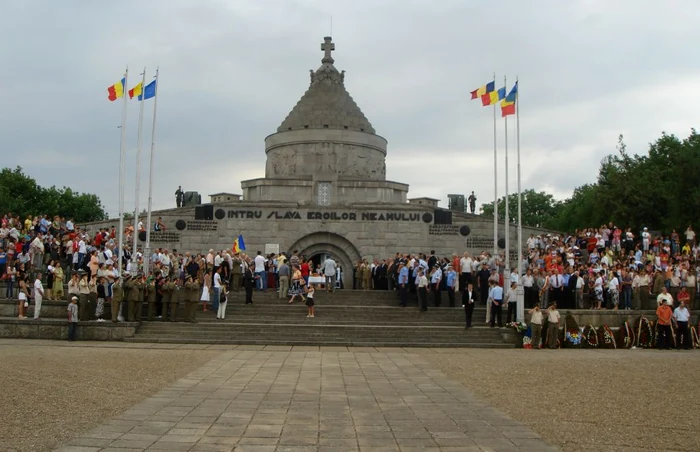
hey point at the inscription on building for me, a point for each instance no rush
(443, 229)
(323, 215)
(202, 225)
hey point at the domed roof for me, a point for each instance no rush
(326, 104)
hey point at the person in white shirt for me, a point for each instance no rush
(329, 269)
(216, 293)
(646, 239)
(465, 271)
(614, 291)
(514, 277)
(38, 296)
(579, 291)
(536, 326)
(598, 289)
(664, 297)
(682, 317)
(422, 284)
(511, 301)
(261, 277)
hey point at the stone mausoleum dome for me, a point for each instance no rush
(326, 151)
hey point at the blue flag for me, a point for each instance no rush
(149, 91)
(241, 243)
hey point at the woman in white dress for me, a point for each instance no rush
(206, 286)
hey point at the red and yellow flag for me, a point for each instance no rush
(116, 91)
(136, 90)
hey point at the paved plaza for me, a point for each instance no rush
(261, 399)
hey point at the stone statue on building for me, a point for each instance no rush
(179, 196)
(472, 202)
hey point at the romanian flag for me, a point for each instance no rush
(493, 97)
(116, 91)
(136, 90)
(487, 88)
(508, 104)
(238, 245)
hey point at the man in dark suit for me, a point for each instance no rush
(381, 272)
(468, 298)
(249, 283)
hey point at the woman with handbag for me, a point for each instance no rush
(297, 285)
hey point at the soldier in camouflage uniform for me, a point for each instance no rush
(191, 296)
(151, 296)
(236, 273)
(132, 297)
(117, 298)
(141, 286)
(168, 288)
(177, 294)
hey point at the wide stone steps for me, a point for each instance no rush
(227, 332)
(345, 318)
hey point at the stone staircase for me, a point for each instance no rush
(345, 318)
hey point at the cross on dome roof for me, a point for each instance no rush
(326, 104)
(328, 46)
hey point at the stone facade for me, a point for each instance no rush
(369, 231)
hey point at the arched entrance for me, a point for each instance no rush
(319, 244)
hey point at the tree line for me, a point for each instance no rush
(21, 195)
(659, 189)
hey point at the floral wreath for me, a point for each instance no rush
(590, 336)
(606, 337)
(645, 333)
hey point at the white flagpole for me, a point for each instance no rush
(521, 296)
(495, 182)
(506, 262)
(134, 258)
(122, 169)
(147, 249)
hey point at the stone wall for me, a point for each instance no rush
(320, 153)
(374, 231)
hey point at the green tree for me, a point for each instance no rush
(21, 195)
(538, 208)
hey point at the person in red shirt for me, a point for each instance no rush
(305, 271)
(683, 296)
(664, 315)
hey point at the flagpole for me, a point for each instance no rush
(122, 169)
(521, 298)
(495, 183)
(147, 250)
(506, 262)
(134, 257)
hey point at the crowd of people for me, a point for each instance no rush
(598, 268)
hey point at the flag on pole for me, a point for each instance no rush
(493, 97)
(116, 91)
(149, 92)
(238, 245)
(508, 104)
(136, 90)
(487, 88)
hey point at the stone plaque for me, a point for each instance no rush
(272, 248)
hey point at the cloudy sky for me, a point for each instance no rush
(231, 70)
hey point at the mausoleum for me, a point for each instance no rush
(325, 193)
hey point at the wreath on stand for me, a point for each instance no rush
(572, 333)
(606, 338)
(590, 337)
(625, 336)
(645, 333)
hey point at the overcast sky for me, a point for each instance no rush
(231, 71)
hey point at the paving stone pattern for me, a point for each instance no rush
(299, 401)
